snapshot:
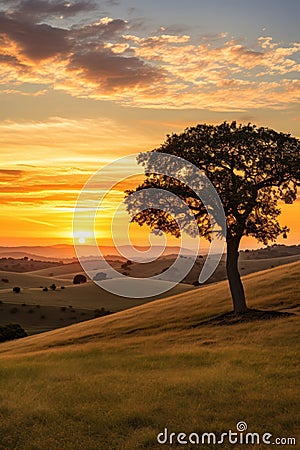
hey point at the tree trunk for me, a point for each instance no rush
(233, 275)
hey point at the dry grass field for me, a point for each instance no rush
(37, 319)
(88, 297)
(45, 307)
(116, 382)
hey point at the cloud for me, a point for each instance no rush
(105, 29)
(8, 176)
(109, 72)
(35, 42)
(37, 10)
(112, 2)
(86, 53)
(40, 222)
(64, 141)
(107, 59)
(11, 172)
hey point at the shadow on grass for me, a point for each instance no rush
(251, 315)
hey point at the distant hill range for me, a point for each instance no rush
(66, 253)
(272, 251)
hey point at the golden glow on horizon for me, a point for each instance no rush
(38, 196)
(69, 109)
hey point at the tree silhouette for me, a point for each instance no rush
(79, 279)
(251, 168)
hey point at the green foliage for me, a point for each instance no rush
(11, 331)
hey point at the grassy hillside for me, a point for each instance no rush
(247, 265)
(36, 310)
(116, 382)
(28, 280)
(25, 264)
(87, 295)
(37, 319)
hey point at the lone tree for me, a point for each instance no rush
(79, 279)
(251, 169)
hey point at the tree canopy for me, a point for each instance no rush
(252, 169)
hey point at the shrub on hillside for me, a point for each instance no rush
(78, 279)
(101, 312)
(100, 276)
(11, 331)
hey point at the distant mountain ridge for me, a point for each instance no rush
(66, 252)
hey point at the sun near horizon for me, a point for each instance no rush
(82, 87)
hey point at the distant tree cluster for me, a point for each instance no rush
(101, 312)
(11, 331)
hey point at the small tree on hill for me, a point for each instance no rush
(251, 168)
(100, 276)
(11, 331)
(79, 279)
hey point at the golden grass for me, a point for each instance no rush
(276, 288)
(116, 382)
(28, 280)
(87, 295)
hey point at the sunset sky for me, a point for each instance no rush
(84, 82)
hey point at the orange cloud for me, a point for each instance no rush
(104, 60)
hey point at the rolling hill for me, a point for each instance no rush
(116, 382)
(249, 262)
(277, 289)
(28, 280)
(87, 295)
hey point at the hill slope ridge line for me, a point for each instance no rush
(277, 288)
